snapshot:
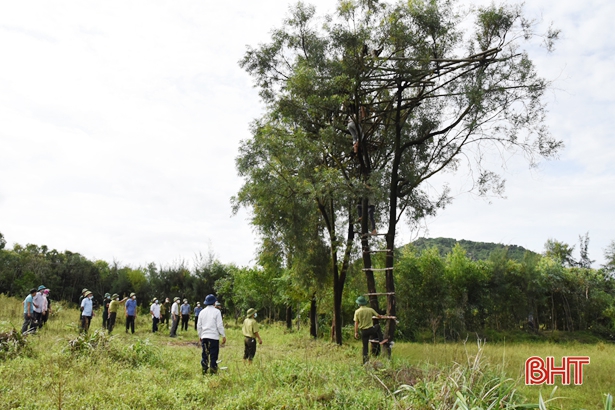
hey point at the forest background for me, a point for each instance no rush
(447, 290)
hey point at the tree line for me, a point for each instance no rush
(448, 295)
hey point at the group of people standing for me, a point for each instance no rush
(36, 309)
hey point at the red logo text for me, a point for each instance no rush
(538, 371)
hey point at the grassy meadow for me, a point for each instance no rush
(57, 369)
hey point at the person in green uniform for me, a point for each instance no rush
(114, 305)
(363, 323)
(250, 331)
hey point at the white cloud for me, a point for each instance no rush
(120, 123)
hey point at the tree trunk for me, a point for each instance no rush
(367, 257)
(313, 318)
(289, 317)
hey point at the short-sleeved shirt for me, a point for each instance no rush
(197, 310)
(28, 308)
(364, 315)
(155, 310)
(185, 308)
(86, 304)
(131, 307)
(250, 327)
(114, 306)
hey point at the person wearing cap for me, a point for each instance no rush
(38, 306)
(105, 313)
(154, 309)
(86, 311)
(363, 322)
(28, 313)
(197, 310)
(81, 300)
(46, 307)
(174, 316)
(250, 333)
(185, 311)
(130, 309)
(165, 312)
(114, 306)
(210, 328)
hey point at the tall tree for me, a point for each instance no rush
(420, 96)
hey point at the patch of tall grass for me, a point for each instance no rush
(290, 370)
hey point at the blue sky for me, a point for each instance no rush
(120, 123)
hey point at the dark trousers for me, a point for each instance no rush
(196, 320)
(366, 334)
(111, 321)
(44, 318)
(249, 348)
(185, 321)
(85, 323)
(174, 326)
(28, 322)
(130, 322)
(167, 319)
(211, 348)
(38, 319)
(155, 321)
(105, 315)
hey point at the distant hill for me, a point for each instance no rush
(475, 250)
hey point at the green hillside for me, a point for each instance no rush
(475, 250)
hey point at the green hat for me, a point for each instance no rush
(155, 299)
(176, 298)
(250, 312)
(107, 295)
(88, 293)
(115, 296)
(361, 301)
(84, 290)
(133, 294)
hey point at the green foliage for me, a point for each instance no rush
(13, 344)
(474, 250)
(88, 343)
(140, 353)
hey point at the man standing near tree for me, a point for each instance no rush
(363, 321)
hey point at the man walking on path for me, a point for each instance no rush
(250, 332)
(28, 312)
(210, 328)
(155, 311)
(131, 313)
(174, 316)
(114, 306)
(363, 322)
(86, 311)
(185, 310)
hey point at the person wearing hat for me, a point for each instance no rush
(154, 309)
(165, 312)
(197, 310)
(86, 311)
(174, 316)
(210, 328)
(46, 307)
(114, 306)
(363, 322)
(105, 313)
(185, 311)
(130, 309)
(38, 306)
(81, 300)
(28, 313)
(250, 332)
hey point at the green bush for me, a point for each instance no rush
(13, 344)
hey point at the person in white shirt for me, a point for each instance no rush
(155, 311)
(38, 306)
(210, 328)
(175, 316)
